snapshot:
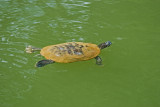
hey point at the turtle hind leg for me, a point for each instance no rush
(98, 60)
(30, 49)
(44, 62)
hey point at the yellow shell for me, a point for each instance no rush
(70, 52)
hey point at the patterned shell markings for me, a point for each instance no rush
(70, 52)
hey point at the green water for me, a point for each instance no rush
(129, 76)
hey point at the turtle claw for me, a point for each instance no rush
(29, 49)
(98, 60)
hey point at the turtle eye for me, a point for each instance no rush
(108, 43)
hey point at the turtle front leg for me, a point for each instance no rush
(98, 60)
(30, 49)
(44, 62)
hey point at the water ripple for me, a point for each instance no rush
(21, 24)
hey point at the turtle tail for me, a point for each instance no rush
(43, 63)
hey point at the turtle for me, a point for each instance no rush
(69, 52)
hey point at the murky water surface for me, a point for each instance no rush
(129, 76)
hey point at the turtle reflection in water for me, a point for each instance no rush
(69, 52)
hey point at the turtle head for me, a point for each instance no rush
(104, 45)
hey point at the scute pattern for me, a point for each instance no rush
(70, 52)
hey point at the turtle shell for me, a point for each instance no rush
(70, 52)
